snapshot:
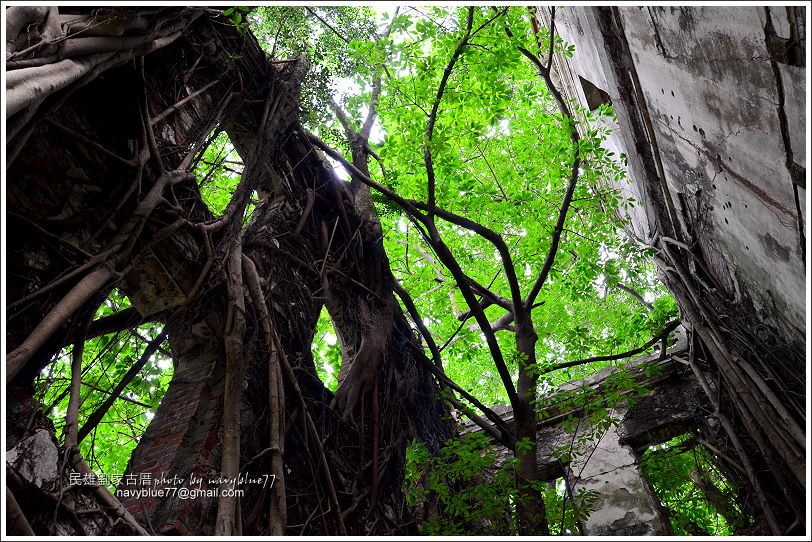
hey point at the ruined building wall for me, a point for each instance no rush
(725, 102)
(710, 107)
(604, 459)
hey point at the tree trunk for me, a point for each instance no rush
(532, 514)
(101, 118)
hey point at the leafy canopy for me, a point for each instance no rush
(502, 157)
(700, 500)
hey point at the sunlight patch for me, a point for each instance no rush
(326, 351)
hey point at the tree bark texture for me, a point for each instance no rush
(92, 158)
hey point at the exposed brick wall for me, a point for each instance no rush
(180, 441)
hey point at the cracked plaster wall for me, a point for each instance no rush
(624, 502)
(713, 100)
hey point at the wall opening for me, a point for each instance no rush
(594, 95)
(698, 498)
(326, 351)
(219, 171)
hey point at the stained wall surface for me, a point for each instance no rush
(723, 103)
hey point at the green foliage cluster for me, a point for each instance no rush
(475, 489)
(107, 358)
(237, 16)
(325, 36)
(699, 499)
(470, 490)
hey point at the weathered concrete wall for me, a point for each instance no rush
(724, 96)
(625, 503)
(710, 106)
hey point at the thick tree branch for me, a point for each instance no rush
(418, 321)
(488, 429)
(120, 321)
(372, 112)
(495, 239)
(552, 39)
(504, 434)
(56, 317)
(413, 208)
(503, 323)
(489, 295)
(276, 399)
(227, 518)
(451, 263)
(671, 326)
(174, 107)
(72, 413)
(557, 231)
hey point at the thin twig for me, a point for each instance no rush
(96, 417)
(427, 156)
